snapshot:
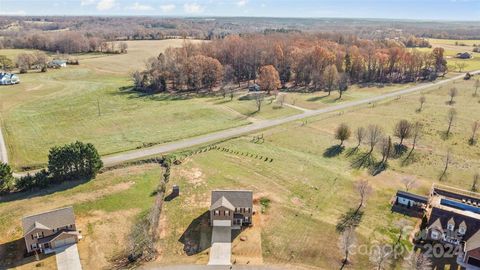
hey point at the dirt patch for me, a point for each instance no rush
(296, 201)
(34, 88)
(194, 176)
(96, 247)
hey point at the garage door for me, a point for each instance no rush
(222, 223)
(64, 242)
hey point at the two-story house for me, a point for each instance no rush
(49, 230)
(231, 208)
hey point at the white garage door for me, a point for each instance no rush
(64, 242)
(222, 223)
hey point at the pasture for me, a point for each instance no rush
(308, 191)
(92, 102)
(452, 47)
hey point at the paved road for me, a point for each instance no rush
(229, 133)
(221, 249)
(68, 258)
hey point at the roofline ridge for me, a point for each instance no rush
(54, 210)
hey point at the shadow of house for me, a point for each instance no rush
(197, 237)
(13, 254)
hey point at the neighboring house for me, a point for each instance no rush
(49, 230)
(57, 63)
(233, 208)
(464, 55)
(452, 218)
(8, 78)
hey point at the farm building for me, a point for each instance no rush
(464, 55)
(8, 78)
(57, 63)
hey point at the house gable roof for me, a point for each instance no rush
(473, 242)
(50, 220)
(237, 198)
(411, 196)
(222, 202)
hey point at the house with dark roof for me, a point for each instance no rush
(453, 217)
(49, 230)
(463, 55)
(231, 208)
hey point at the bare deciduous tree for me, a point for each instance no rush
(386, 150)
(417, 133)
(476, 178)
(448, 159)
(452, 113)
(374, 135)
(364, 190)
(422, 101)
(259, 97)
(409, 182)
(417, 261)
(381, 255)
(453, 92)
(342, 133)
(403, 130)
(360, 135)
(473, 138)
(346, 243)
(477, 85)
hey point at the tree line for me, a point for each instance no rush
(301, 60)
(69, 162)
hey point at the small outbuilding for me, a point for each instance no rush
(408, 199)
(464, 55)
(57, 63)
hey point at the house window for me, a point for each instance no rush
(227, 213)
(435, 235)
(216, 213)
(450, 227)
(34, 245)
(461, 230)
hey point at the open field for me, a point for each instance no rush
(451, 50)
(308, 191)
(92, 103)
(112, 200)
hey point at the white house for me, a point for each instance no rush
(8, 78)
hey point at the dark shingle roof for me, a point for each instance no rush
(411, 196)
(238, 198)
(52, 219)
(442, 216)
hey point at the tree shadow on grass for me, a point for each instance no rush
(399, 150)
(351, 218)
(333, 151)
(13, 254)
(363, 160)
(313, 99)
(197, 237)
(378, 168)
(352, 151)
(52, 188)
